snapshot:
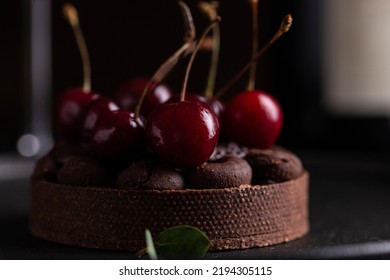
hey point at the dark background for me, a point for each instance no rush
(132, 38)
(347, 156)
(12, 49)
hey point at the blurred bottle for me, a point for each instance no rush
(356, 57)
(356, 67)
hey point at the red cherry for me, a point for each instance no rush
(130, 92)
(118, 137)
(183, 134)
(72, 108)
(215, 105)
(97, 111)
(253, 119)
(218, 107)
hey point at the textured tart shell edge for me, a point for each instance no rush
(233, 218)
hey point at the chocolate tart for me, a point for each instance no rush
(234, 218)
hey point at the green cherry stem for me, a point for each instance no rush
(167, 66)
(284, 27)
(255, 44)
(71, 16)
(192, 58)
(210, 9)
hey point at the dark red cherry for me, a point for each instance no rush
(72, 108)
(183, 134)
(118, 137)
(253, 119)
(216, 105)
(129, 93)
(97, 111)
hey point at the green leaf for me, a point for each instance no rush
(150, 249)
(182, 242)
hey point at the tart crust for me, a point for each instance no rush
(233, 218)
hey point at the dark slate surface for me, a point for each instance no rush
(349, 214)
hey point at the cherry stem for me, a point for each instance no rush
(71, 16)
(284, 27)
(192, 58)
(255, 44)
(210, 9)
(141, 252)
(167, 66)
(190, 31)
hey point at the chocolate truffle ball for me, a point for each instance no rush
(83, 171)
(227, 172)
(273, 165)
(147, 175)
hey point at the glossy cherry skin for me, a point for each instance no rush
(253, 119)
(118, 137)
(129, 93)
(183, 134)
(97, 111)
(73, 106)
(216, 105)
